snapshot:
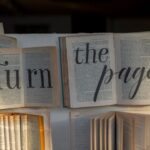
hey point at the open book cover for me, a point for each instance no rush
(28, 77)
(106, 69)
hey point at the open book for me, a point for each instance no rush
(28, 77)
(106, 69)
(21, 131)
(120, 131)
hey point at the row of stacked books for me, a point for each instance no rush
(99, 69)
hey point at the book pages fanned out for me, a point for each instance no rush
(122, 131)
(29, 77)
(32, 133)
(25, 132)
(25, 115)
(80, 127)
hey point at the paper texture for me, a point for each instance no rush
(135, 131)
(40, 77)
(42, 40)
(133, 54)
(10, 92)
(80, 132)
(86, 65)
(2, 134)
(26, 80)
(60, 127)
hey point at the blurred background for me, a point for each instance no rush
(72, 16)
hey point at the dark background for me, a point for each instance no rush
(72, 16)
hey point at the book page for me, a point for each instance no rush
(128, 132)
(10, 78)
(41, 86)
(133, 68)
(80, 127)
(7, 42)
(101, 130)
(32, 133)
(96, 135)
(12, 132)
(119, 132)
(147, 130)
(107, 134)
(7, 132)
(80, 131)
(24, 132)
(90, 60)
(140, 132)
(60, 127)
(135, 131)
(111, 133)
(92, 134)
(17, 120)
(2, 134)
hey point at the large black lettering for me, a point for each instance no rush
(30, 73)
(103, 79)
(138, 73)
(77, 51)
(9, 79)
(125, 73)
(49, 83)
(102, 52)
(88, 52)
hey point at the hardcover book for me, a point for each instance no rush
(106, 69)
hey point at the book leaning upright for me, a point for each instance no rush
(28, 77)
(106, 69)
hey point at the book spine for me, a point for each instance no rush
(42, 136)
(66, 91)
